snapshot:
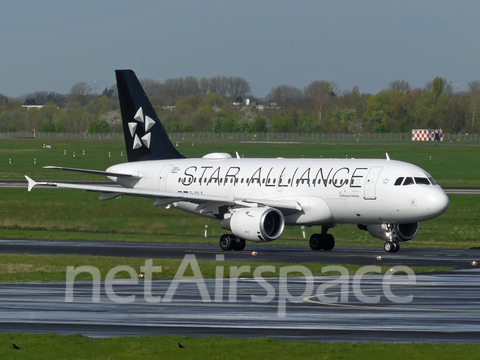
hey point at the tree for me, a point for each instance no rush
(400, 86)
(204, 86)
(47, 127)
(79, 93)
(282, 124)
(114, 119)
(219, 85)
(151, 87)
(306, 124)
(98, 127)
(259, 125)
(321, 95)
(474, 90)
(224, 125)
(237, 88)
(318, 89)
(108, 93)
(345, 116)
(285, 95)
(191, 86)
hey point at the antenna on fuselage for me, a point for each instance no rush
(388, 157)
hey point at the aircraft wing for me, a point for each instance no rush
(94, 172)
(167, 197)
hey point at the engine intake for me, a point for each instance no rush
(255, 224)
(401, 232)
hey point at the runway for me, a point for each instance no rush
(451, 258)
(445, 308)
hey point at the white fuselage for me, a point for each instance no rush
(330, 191)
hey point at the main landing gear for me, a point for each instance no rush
(231, 242)
(391, 246)
(322, 241)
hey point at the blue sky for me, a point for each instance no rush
(50, 44)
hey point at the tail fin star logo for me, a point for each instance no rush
(132, 126)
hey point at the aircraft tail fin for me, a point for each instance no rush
(145, 137)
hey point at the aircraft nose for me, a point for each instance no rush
(439, 202)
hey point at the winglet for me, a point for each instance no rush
(31, 183)
(238, 156)
(388, 157)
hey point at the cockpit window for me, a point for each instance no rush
(421, 180)
(398, 181)
(432, 181)
(408, 181)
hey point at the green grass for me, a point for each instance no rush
(450, 164)
(27, 267)
(50, 346)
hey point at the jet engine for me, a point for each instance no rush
(255, 224)
(400, 232)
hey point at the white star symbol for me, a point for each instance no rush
(148, 123)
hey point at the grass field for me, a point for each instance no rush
(26, 267)
(166, 347)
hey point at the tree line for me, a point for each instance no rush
(218, 104)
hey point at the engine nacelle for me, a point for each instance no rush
(401, 232)
(255, 224)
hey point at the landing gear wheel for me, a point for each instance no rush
(226, 242)
(238, 244)
(316, 242)
(396, 247)
(388, 247)
(328, 242)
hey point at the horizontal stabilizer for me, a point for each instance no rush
(93, 172)
(31, 183)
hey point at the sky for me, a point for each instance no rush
(48, 45)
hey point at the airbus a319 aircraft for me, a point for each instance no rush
(254, 199)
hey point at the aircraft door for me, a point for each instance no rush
(371, 183)
(162, 177)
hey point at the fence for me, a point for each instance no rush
(270, 137)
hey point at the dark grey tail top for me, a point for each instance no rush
(145, 137)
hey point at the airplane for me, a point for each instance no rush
(254, 199)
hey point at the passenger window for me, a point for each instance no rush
(399, 181)
(408, 181)
(420, 180)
